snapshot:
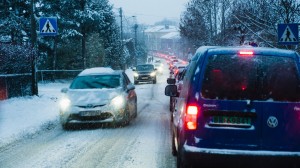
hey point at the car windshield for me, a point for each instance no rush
(258, 78)
(96, 82)
(145, 68)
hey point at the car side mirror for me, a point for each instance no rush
(130, 87)
(171, 81)
(171, 90)
(64, 90)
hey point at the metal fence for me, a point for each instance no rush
(17, 85)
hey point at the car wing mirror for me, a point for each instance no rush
(130, 87)
(171, 90)
(171, 81)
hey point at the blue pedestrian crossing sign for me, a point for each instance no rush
(288, 34)
(48, 26)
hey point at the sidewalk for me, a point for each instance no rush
(23, 116)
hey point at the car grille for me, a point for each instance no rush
(91, 106)
(144, 77)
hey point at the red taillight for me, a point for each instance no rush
(246, 53)
(191, 117)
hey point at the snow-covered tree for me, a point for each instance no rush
(87, 33)
(192, 25)
(234, 22)
(14, 21)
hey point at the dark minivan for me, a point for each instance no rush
(239, 107)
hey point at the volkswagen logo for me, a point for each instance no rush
(272, 122)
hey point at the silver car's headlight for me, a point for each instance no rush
(135, 74)
(118, 102)
(64, 104)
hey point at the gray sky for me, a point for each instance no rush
(151, 11)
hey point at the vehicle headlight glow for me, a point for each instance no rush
(118, 101)
(135, 74)
(64, 104)
(152, 74)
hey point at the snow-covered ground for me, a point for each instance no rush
(25, 116)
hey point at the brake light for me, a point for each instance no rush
(191, 117)
(246, 53)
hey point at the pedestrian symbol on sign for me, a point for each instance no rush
(48, 28)
(288, 34)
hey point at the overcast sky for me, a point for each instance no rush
(151, 11)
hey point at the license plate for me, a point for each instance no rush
(144, 77)
(90, 113)
(226, 120)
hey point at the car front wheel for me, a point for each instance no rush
(126, 117)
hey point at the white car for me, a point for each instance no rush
(98, 95)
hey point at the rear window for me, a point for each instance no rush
(96, 82)
(232, 77)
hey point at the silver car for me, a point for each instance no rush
(98, 95)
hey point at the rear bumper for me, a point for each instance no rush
(240, 158)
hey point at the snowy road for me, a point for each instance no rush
(144, 143)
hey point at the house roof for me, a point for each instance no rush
(171, 35)
(164, 29)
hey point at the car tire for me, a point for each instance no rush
(126, 117)
(174, 151)
(181, 162)
(154, 81)
(135, 110)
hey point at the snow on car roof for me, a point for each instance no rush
(97, 70)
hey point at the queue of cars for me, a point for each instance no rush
(238, 106)
(230, 105)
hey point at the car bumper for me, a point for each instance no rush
(240, 158)
(106, 116)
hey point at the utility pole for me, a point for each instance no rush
(34, 85)
(135, 43)
(121, 16)
(121, 34)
